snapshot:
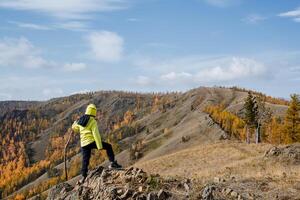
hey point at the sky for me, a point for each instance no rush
(52, 48)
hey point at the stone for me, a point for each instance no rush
(234, 194)
(207, 193)
(113, 184)
(119, 191)
(249, 196)
(128, 179)
(135, 195)
(152, 196)
(104, 174)
(126, 194)
(163, 195)
(219, 180)
(129, 170)
(140, 189)
(227, 191)
(186, 187)
(59, 190)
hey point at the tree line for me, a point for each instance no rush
(257, 121)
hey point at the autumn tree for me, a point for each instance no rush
(292, 120)
(274, 131)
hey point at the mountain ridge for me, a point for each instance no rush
(154, 124)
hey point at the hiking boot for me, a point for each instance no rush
(81, 181)
(115, 165)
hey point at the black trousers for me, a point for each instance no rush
(86, 155)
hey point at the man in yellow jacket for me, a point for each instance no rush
(90, 139)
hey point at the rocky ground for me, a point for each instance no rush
(133, 183)
(289, 154)
(130, 183)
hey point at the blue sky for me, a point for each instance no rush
(51, 48)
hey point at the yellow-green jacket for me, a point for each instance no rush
(89, 133)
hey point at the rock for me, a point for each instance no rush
(119, 184)
(104, 174)
(216, 180)
(163, 195)
(185, 138)
(274, 151)
(290, 153)
(128, 179)
(135, 195)
(152, 196)
(227, 191)
(119, 191)
(207, 193)
(129, 170)
(60, 190)
(234, 194)
(86, 193)
(140, 189)
(126, 194)
(138, 173)
(186, 187)
(141, 197)
(219, 180)
(249, 196)
(95, 172)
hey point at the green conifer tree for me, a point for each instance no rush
(250, 115)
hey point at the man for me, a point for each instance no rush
(91, 139)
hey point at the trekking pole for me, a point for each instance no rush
(65, 155)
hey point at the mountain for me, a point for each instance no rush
(161, 133)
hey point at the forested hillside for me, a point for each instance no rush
(33, 134)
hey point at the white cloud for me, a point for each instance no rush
(30, 86)
(237, 68)
(222, 3)
(52, 92)
(31, 26)
(254, 18)
(81, 92)
(202, 70)
(21, 53)
(66, 9)
(105, 46)
(71, 67)
(67, 25)
(294, 14)
(73, 25)
(175, 76)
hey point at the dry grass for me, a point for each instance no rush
(222, 159)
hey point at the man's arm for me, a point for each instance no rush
(75, 127)
(96, 135)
